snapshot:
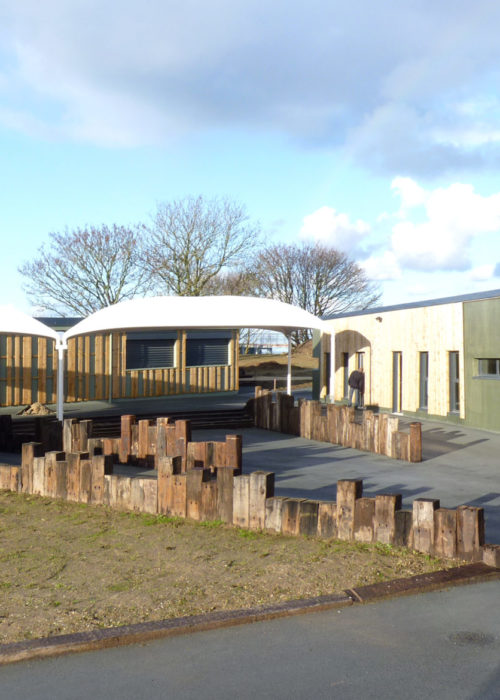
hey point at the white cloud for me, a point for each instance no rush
(334, 228)
(409, 192)
(482, 272)
(382, 268)
(453, 217)
(417, 95)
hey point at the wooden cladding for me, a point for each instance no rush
(96, 369)
(28, 369)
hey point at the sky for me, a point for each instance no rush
(371, 127)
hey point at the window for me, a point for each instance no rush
(424, 380)
(345, 366)
(150, 349)
(488, 367)
(454, 382)
(207, 348)
(360, 360)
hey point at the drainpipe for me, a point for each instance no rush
(331, 383)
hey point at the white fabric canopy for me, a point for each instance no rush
(14, 321)
(222, 312)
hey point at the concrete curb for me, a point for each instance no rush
(147, 631)
(424, 583)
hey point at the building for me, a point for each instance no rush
(157, 346)
(438, 359)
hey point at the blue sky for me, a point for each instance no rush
(369, 126)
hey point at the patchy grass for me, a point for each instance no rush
(68, 567)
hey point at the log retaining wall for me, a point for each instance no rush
(368, 431)
(200, 487)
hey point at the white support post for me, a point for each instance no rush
(331, 382)
(61, 347)
(289, 371)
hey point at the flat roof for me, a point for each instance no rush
(476, 296)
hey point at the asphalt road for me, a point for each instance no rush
(436, 645)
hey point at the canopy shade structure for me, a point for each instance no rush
(209, 313)
(14, 321)
(221, 312)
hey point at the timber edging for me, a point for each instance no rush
(338, 424)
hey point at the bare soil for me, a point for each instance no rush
(67, 567)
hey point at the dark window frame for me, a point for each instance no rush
(150, 350)
(423, 400)
(484, 371)
(454, 380)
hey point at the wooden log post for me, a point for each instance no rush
(61, 479)
(423, 524)
(491, 555)
(29, 451)
(274, 513)
(386, 505)
(234, 452)
(332, 417)
(142, 452)
(308, 518)
(151, 449)
(100, 466)
(170, 434)
(225, 490)
(261, 488)
(85, 432)
(194, 482)
(209, 497)
(415, 442)
(382, 433)
(85, 491)
(404, 529)
(127, 421)
(74, 460)
(38, 483)
(50, 472)
(182, 438)
(392, 428)
(348, 491)
(327, 519)
(15, 479)
(241, 500)
(167, 468)
(290, 519)
(470, 533)
(161, 441)
(445, 533)
(67, 434)
(364, 517)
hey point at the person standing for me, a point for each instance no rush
(356, 384)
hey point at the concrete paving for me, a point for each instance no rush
(442, 645)
(460, 466)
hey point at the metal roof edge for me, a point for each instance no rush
(475, 296)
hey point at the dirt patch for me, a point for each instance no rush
(68, 567)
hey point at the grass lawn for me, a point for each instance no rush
(67, 567)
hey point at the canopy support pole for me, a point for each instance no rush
(289, 371)
(61, 347)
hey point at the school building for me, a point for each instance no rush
(438, 359)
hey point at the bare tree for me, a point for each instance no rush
(86, 269)
(194, 240)
(317, 278)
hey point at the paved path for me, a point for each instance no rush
(435, 645)
(461, 465)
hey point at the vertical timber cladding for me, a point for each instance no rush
(97, 362)
(27, 370)
(436, 329)
(482, 384)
